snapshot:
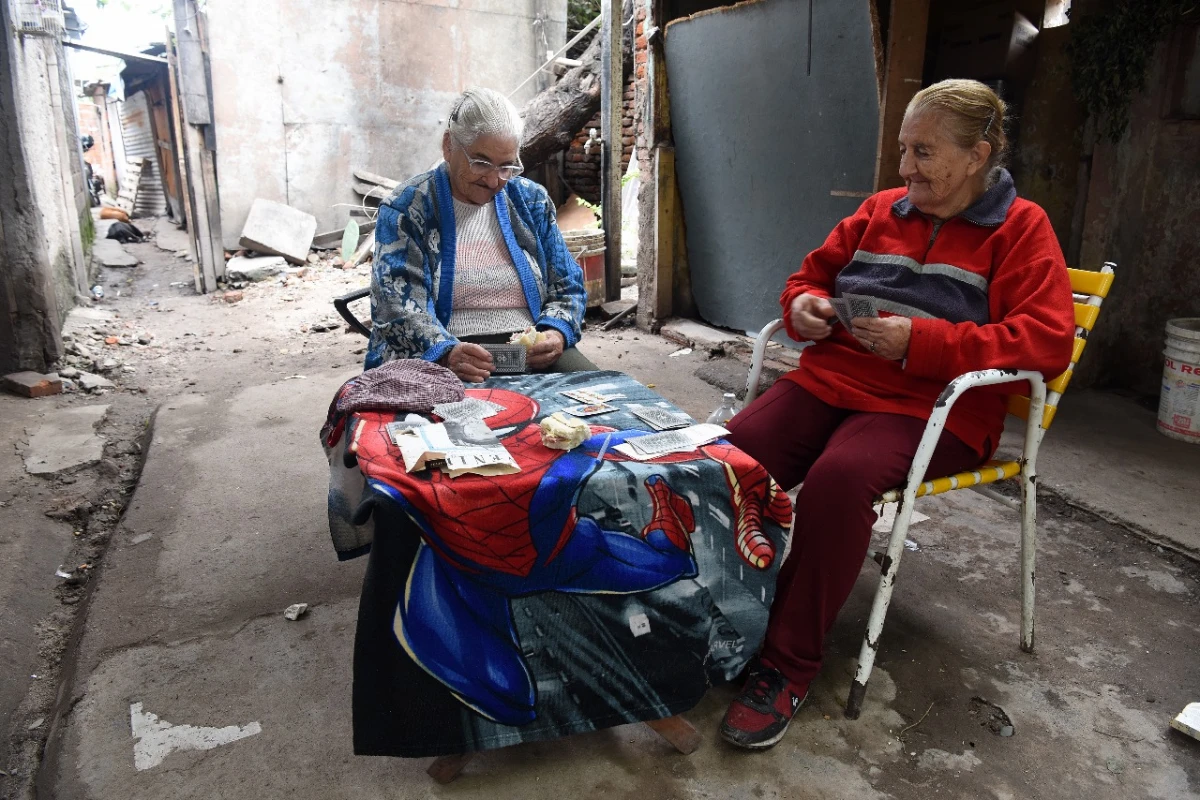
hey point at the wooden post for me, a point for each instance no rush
(185, 178)
(191, 71)
(666, 226)
(678, 732)
(612, 93)
(445, 769)
(907, 26)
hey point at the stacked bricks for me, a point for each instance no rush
(641, 86)
(582, 171)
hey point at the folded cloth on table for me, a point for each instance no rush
(407, 384)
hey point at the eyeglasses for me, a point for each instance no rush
(481, 166)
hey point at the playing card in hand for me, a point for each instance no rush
(861, 305)
(842, 308)
(507, 358)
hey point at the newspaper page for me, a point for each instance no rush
(457, 447)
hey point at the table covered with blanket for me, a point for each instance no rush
(587, 590)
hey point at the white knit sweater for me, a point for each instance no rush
(487, 289)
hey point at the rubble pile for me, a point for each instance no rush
(95, 354)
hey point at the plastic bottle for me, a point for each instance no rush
(725, 411)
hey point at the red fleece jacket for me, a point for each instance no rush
(1023, 292)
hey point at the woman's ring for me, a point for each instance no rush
(873, 346)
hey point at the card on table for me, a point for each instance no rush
(467, 409)
(658, 418)
(590, 409)
(588, 396)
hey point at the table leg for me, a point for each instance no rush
(445, 769)
(678, 732)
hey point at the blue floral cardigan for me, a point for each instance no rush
(412, 285)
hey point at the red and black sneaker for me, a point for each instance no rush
(759, 717)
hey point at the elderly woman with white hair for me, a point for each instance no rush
(965, 275)
(469, 253)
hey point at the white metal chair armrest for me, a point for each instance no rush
(756, 363)
(949, 396)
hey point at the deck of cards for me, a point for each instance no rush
(658, 418)
(849, 306)
(507, 359)
(468, 408)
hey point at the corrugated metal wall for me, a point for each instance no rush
(138, 135)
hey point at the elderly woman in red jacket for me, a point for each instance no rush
(966, 276)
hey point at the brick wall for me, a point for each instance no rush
(582, 172)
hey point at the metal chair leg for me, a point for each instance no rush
(879, 608)
(1028, 553)
(1033, 440)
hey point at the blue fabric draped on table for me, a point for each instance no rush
(586, 591)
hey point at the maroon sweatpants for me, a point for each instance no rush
(844, 459)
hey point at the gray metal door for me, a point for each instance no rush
(775, 114)
(137, 131)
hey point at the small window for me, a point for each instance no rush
(1058, 13)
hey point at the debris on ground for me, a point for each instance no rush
(110, 253)
(1188, 721)
(279, 230)
(33, 384)
(234, 296)
(243, 268)
(66, 438)
(90, 382)
(992, 717)
(295, 611)
(615, 307)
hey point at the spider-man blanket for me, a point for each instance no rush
(586, 591)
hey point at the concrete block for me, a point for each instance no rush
(91, 382)
(33, 384)
(241, 268)
(110, 253)
(279, 230)
(616, 307)
(66, 439)
(690, 333)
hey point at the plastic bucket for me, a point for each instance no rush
(1179, 403)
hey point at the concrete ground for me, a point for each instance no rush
(182, 637)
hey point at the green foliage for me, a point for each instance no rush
(1110, 52)
(580, 13)
(87, 230)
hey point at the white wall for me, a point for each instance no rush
(306, 91)
(47, 119)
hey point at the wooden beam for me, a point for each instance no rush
(905, 61)
(678, 732)
(612, 95)
(666, 225)
(193, 78)
(185, 177)
(446, 768)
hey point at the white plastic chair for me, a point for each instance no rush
(1038, 410)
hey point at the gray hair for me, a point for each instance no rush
(478, 112)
